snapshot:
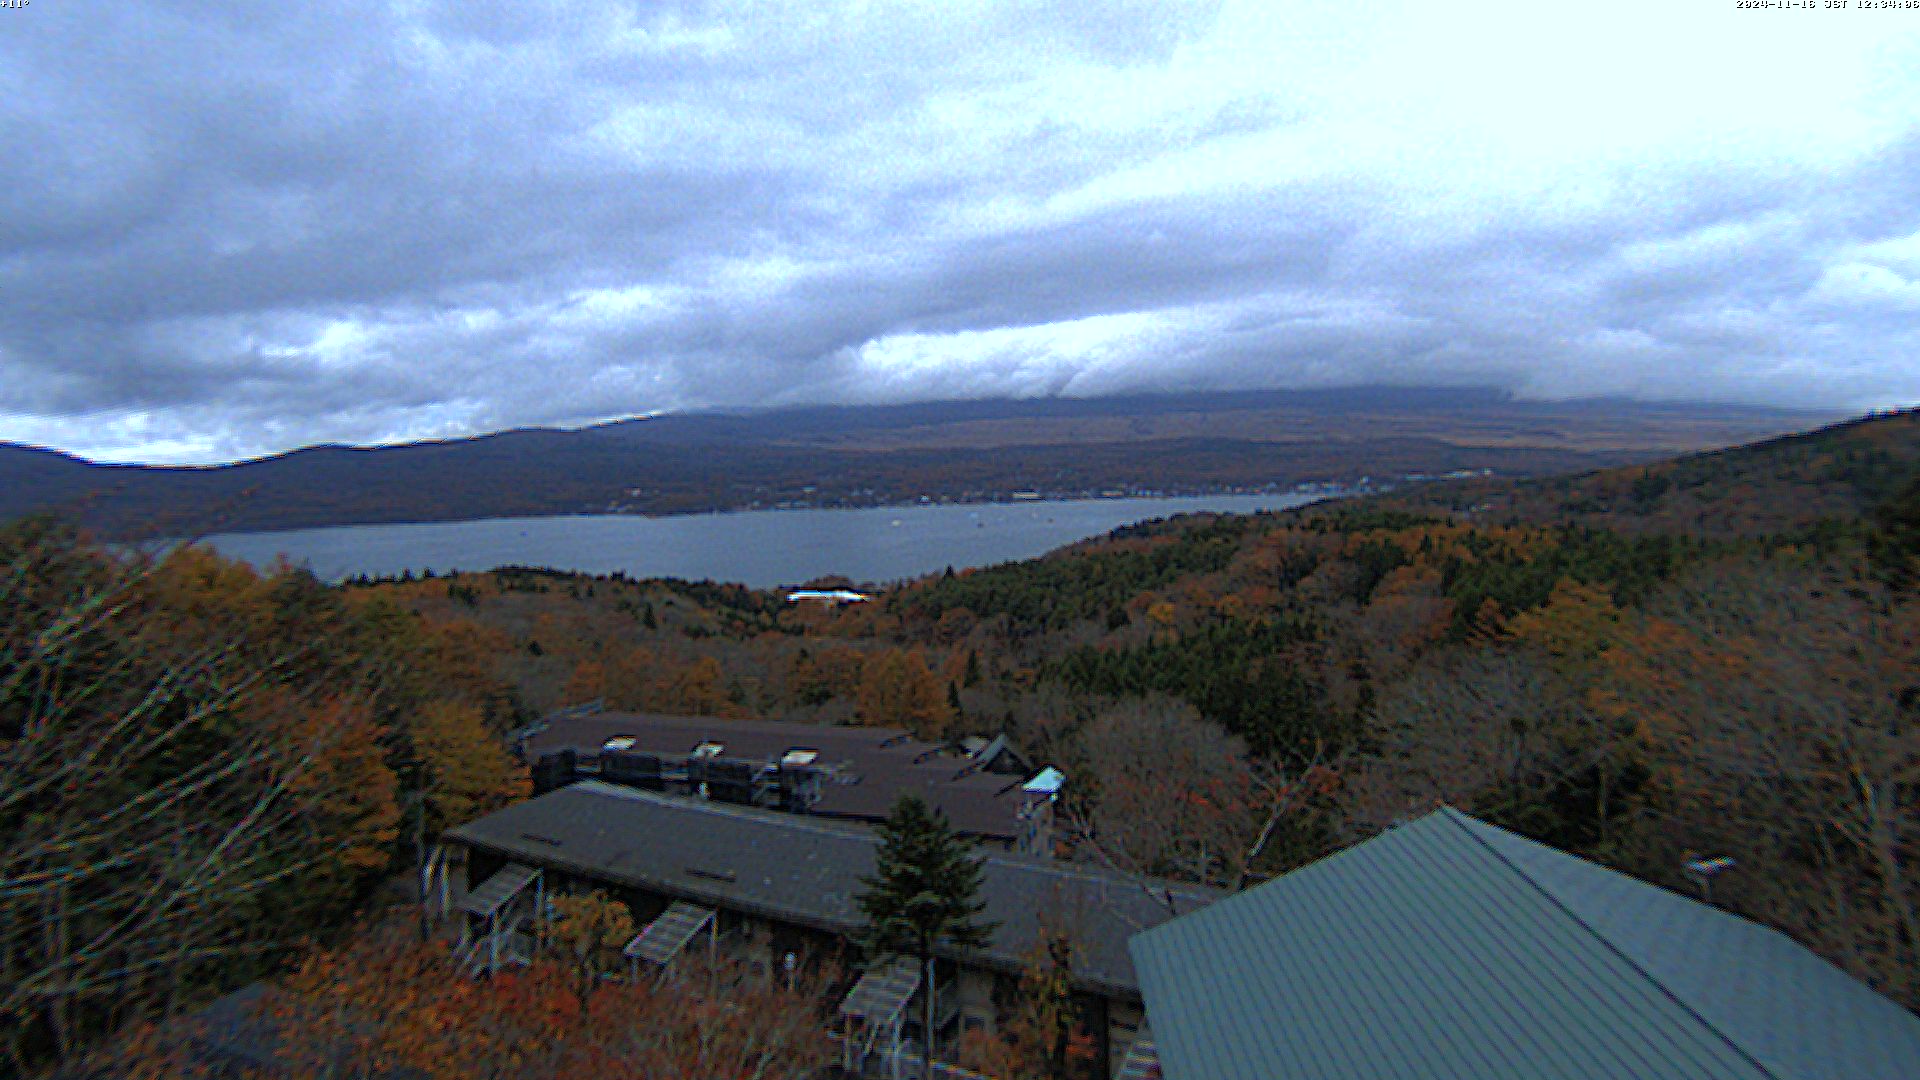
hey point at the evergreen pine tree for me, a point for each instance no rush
(924, 893)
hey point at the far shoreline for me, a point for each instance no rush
(1314, 491)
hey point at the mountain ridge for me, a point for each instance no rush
(875, 455)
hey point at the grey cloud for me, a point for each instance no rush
(236, 229)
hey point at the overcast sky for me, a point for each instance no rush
(228, 229)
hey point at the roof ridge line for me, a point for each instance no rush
(1453, 816)
(799, 823)
(692, 805)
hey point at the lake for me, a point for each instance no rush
(759, 548)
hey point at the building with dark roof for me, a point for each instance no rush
(762, 884)
(1450, 948)
(851, 773)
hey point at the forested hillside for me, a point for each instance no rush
(208, 769)
(1836, 474)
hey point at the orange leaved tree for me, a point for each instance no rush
(388, 1004)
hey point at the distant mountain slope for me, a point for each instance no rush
(32, 468)
(1841, 472)
(849, 456)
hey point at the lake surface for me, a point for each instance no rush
(760, 548)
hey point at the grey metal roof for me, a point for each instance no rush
(806, 871)
(1451, 948)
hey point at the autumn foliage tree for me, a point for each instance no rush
(466, 770)
(343, 784)
(589, 931)
(1044, 1037)
(650, 680)
(1576, 624)
(1167, 794)
(1786, 701)
(1499, 732)
(897, 689)
(198, 770)
(387, 1005)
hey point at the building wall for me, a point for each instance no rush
(480, 866)
(977, 1009)
(985, 995)
(1124, 1020)
(754, 945)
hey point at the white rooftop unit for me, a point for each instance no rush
(1047, 781)
(827, 596)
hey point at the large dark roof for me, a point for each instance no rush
(887, 762)
(805, 871)
(1451, 948)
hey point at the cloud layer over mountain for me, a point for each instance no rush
(232, 228)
